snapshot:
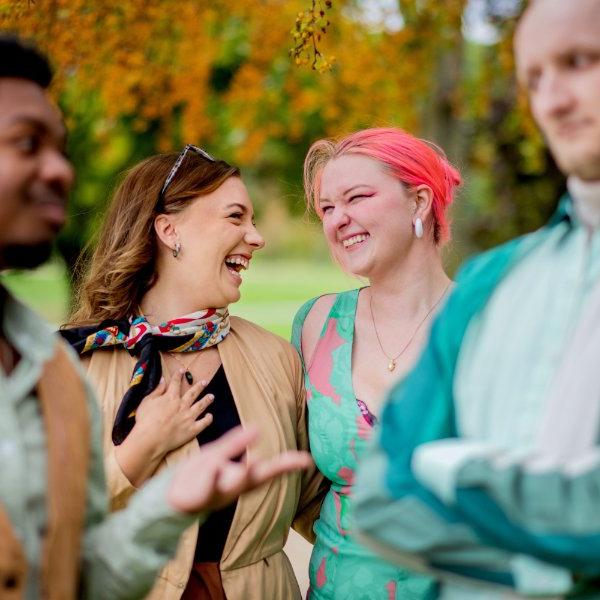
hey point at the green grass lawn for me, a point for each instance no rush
(271, 293)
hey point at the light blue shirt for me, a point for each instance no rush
(123, 552)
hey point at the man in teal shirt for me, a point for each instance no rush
(117, 556)
(486, 470)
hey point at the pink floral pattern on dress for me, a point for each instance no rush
(322, 363)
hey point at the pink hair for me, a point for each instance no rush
(412, 160)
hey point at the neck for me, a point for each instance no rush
(586, 200)
(412, 287)
(160, 304)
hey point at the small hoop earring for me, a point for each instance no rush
(418, 226)
(176, 250)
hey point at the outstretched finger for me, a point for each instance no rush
(233, 443)
(236, 478)
(262, 471)
(190, 395)
(201, 424)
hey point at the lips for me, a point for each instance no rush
(571, 129)
(53, 212)
(49, 203)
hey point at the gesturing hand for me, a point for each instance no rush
(169, 418)
(211, 479)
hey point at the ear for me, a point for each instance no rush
(423, 202)
(166, 231)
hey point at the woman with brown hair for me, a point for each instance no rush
(152, 326)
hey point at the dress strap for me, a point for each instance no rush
(344, 307)
(344, 311)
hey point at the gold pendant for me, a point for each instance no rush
(391, 365)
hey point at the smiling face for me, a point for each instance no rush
(367, 215)
(557, 49)
(218, 238)
(35, 175)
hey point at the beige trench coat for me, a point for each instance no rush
(265, 377)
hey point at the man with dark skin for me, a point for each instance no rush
(487, 467)
(56, 539)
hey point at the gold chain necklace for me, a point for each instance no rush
(392, 359)
(188, 375)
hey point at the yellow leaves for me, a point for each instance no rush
(311, 24)
(219, 72)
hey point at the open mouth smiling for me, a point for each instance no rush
(355, 239)
(236, 263)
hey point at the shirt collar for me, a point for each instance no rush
(564, 211)
(27, 331)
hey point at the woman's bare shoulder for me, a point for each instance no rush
(313, 325)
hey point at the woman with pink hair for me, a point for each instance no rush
(382, 196)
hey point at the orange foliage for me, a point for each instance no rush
(159, 61)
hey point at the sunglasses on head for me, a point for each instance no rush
(178, 163)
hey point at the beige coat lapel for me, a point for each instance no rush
(258, 403)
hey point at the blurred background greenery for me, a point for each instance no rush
(272, 290)
(136, 78)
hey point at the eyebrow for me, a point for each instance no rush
(350, 189)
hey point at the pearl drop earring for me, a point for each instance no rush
(418, 227)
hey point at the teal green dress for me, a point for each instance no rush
(340, 426)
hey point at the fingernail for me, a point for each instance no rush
(204, 382)
(162, 380)
(209, 397)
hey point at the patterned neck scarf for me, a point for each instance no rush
(189, 333)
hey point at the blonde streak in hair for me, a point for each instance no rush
(318, 155)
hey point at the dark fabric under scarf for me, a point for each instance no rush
(189, 333)
(213, 533)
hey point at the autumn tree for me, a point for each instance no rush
(144, 76)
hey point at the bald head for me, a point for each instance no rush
(557, 49)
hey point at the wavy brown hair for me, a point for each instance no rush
(121, 266)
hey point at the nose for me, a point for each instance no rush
(57, 171)
(553, 97)
(253, 238)
(340, 218)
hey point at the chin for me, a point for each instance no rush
(584, 164)
(233, 298)
(229, 297)
(25, 256)
(357, 269)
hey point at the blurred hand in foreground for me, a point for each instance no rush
(212, 479)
